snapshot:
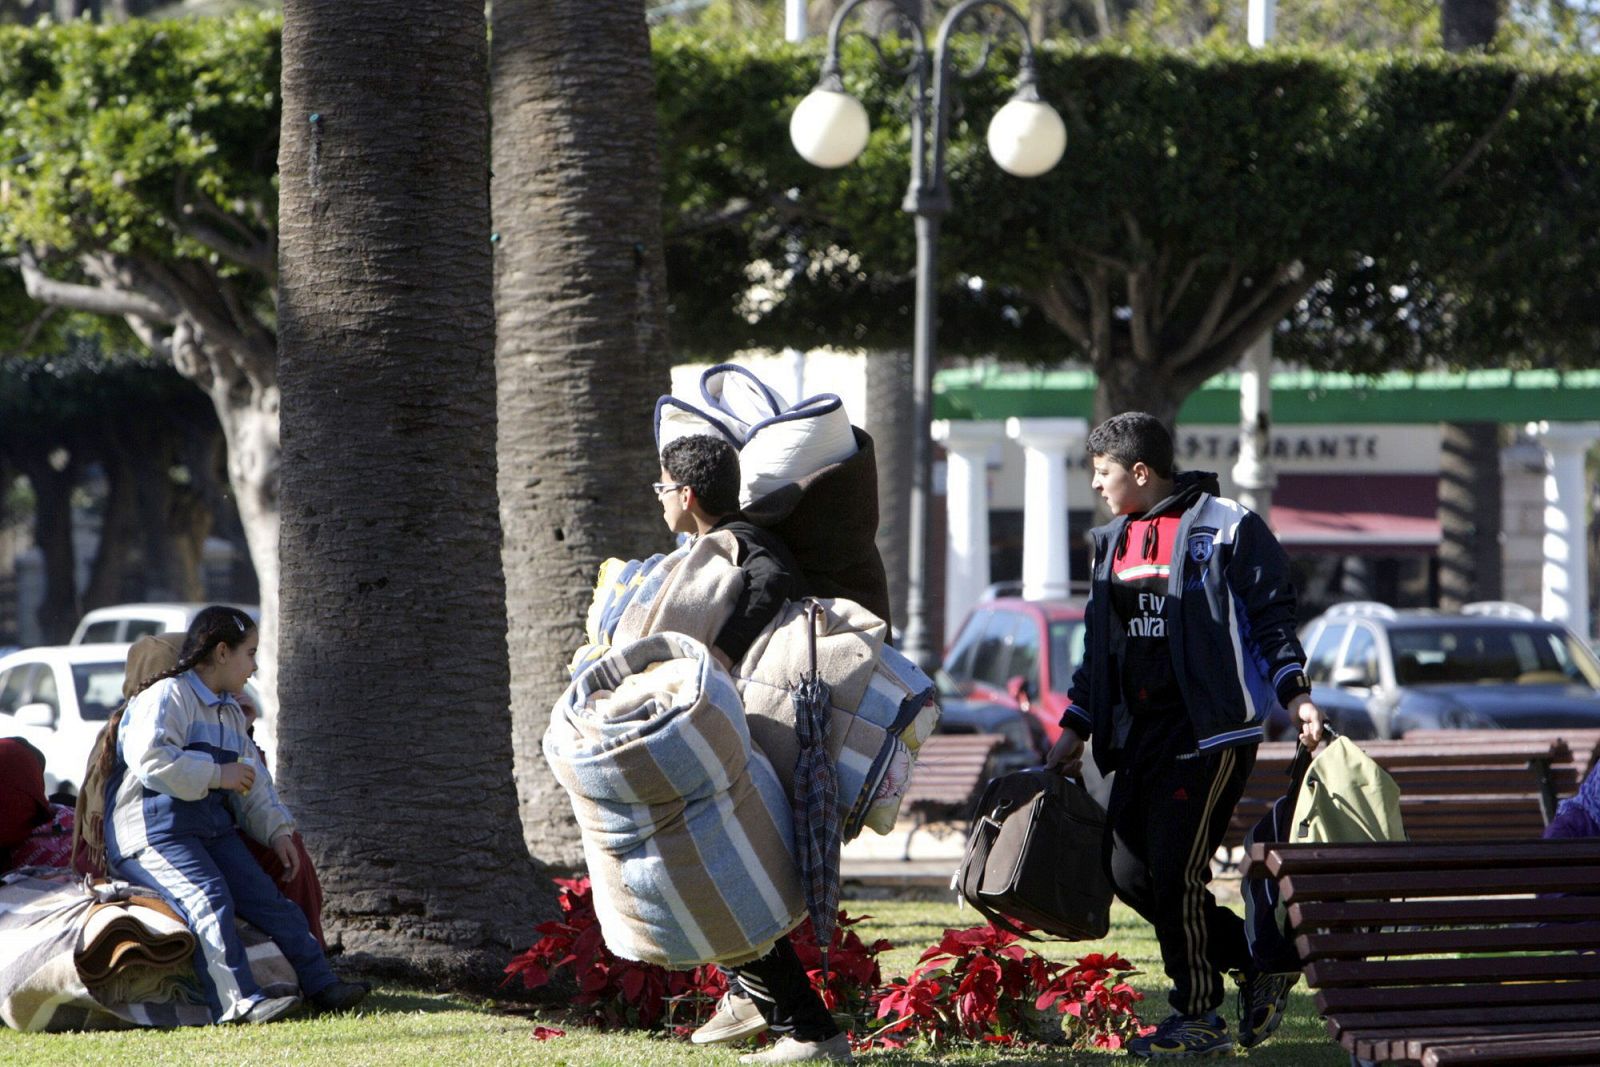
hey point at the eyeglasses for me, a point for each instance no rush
(661, 487)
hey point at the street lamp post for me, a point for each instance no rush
(1026, 137)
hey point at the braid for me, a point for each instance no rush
(211, 627)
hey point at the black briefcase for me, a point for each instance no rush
(1035, 856)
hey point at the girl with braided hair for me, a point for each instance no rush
(184, 774)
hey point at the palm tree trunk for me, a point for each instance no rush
(891, 421)
(581, 352)
(395, 741)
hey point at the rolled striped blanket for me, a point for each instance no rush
(881, 704)
(52, 929)
(686, 829)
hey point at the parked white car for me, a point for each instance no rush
(57, 698)
(129, 622)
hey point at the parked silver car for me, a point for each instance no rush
(1378, 672)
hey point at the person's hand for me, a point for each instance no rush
(238, 777)
(1066, 755)
(288, 855)
(1310, 718)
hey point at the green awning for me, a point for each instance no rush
(1305, 397)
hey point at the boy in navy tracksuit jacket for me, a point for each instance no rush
(1189, 647)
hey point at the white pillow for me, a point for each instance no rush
(813, 434)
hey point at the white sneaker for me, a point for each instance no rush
(788, 1050)
(267, 1009)
(736, 1018)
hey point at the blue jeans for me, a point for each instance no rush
(210, 881)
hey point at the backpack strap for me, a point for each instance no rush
(1302, 762)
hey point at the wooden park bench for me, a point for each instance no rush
(950, 772)
(1583, 744)
(1493, 785)
(1445, 953)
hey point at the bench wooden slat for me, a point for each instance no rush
(949, 772)
(1468, 970)
(1359, 945)
(1569, 1050)
(1397, 856)
(1489, 998)
(1366, 913)
(1465, 1016)
(1392, 1045)
(1462, 883)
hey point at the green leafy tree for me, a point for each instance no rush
(155, 440)
(137, 183)
(1399, 209)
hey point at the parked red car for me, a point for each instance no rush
(1021, 652)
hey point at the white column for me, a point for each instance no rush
(1564, 592)
(1261, 22)
(794, 20)
(1254, 474)
(966, 509)
(1044, 511)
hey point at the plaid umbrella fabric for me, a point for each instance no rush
(816, 804)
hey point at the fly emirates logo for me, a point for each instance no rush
(1149, 622)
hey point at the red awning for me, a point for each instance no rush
(1361, 514)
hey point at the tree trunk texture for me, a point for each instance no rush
(581, 350)
(1141, 361)
(52, 532)
(250, 426)
(890, 419)
(394, 733)
(1470, 564)
(200, 321)
(120, 535)
(1468, 24)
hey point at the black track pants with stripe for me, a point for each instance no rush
(777, 982)
(1169, 811)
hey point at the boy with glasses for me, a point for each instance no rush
(699, 494)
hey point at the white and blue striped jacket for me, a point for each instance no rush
(171, 746)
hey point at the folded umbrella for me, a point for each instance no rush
(816, 801)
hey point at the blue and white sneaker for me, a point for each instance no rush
(1181, 1036)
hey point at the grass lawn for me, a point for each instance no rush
(406, 1026)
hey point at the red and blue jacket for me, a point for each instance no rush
(1230, 626)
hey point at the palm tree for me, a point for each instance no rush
(581, 353)
(395, 742)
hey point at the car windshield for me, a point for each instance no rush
(1488, 654)
(99, 688)
(1066, 651)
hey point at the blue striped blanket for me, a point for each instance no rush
(686, 829)
(882, 704)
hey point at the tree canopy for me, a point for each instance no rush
(1398, 208)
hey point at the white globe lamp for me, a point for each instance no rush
(1027, 137)
(829, 128)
